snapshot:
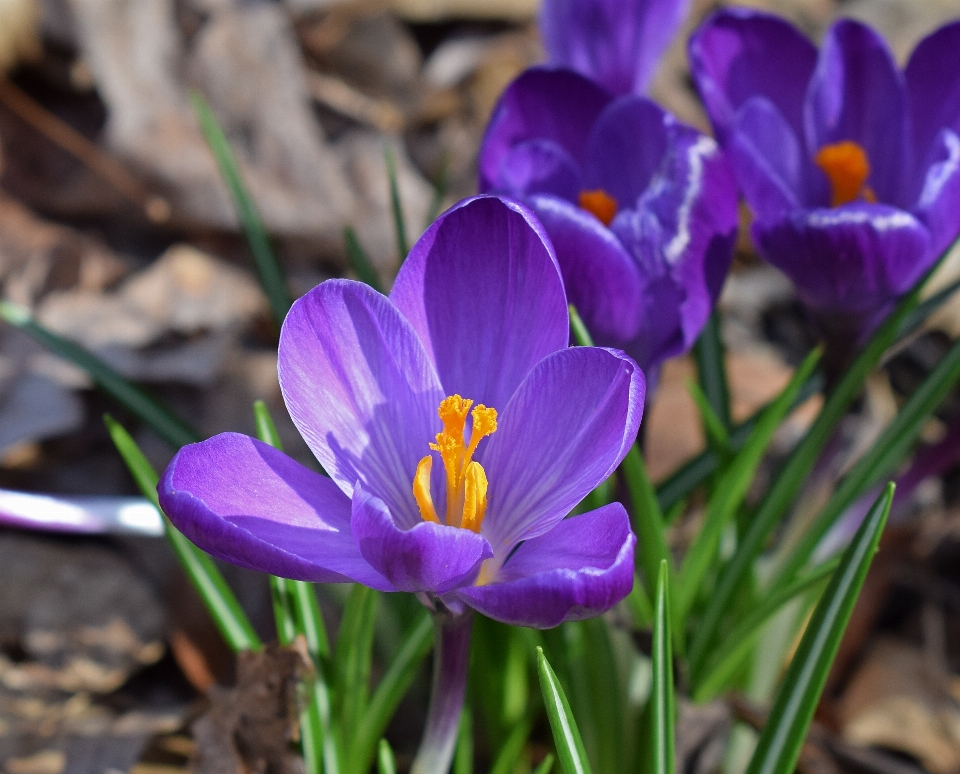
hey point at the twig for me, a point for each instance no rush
(156, 208)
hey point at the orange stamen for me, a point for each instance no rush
(466, 480)
(847, 168)
(599, 203)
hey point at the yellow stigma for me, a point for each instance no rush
(466, 479)
(599, 203)
(847, 168)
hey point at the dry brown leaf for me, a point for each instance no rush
(899, 701)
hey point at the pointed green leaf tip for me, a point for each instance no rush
(566, 735)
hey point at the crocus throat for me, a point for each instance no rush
(466, 479)
(599, 203)
(847, 168)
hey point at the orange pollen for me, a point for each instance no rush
(847, 168)
(599, 203)
(466, 480)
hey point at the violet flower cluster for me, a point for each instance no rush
(850, 166)
(458, 429)
(641, 208)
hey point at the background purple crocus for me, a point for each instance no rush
(617, 43)
(849, 164)
(641, 208)
(478, 310)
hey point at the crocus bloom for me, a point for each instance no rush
(849, 164)
(617, 43)
(458, 430)
(641, 208)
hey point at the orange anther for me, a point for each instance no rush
(599, 203)
(847, 168)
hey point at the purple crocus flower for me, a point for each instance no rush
(616, 43)
(429, 492)
(641, 208)
(458, 430)
(851, 166)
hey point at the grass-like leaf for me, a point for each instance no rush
(296, 612)
(396, 207)
(778, 748)
(159, 418)
(440, 186)
(709, 355)
(662, 708)
(577, 327)
(887, 452)
(359, 260)
(788, 481)
(605, 696)
(509, 755)
(203, 573)
(713, 426)
(394, 684)
(271, 276)
(647, 518)
(641, 608)
(385, 761)
(545, 765)
(566, 736)
(728, 494)
(672, 491)
(737, 645)
(352, 658)
(463, 754)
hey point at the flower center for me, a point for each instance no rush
(847, 168)
(466, 479)
(599, 203)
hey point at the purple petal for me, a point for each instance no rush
(565, 431)
(541, 103)
(615, 42)
(249, 504)
(681, 235)
(600, 277)
(579, 569)
(939, 204)
(483, 291)
(627, 147)
(360, 389)
(539, 166)
(428, 557)
(857, 93)
(852, 258)
(738, 54)
(660, 332)
(768, 159)
(933, 86)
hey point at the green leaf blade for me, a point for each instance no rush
(394, 684)
(711, 369)
(663, 709)
(566, 736)
(728, 495)
(159, 418)
(219, 599)
(778, 748)
(271, 276)
(359, 260)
